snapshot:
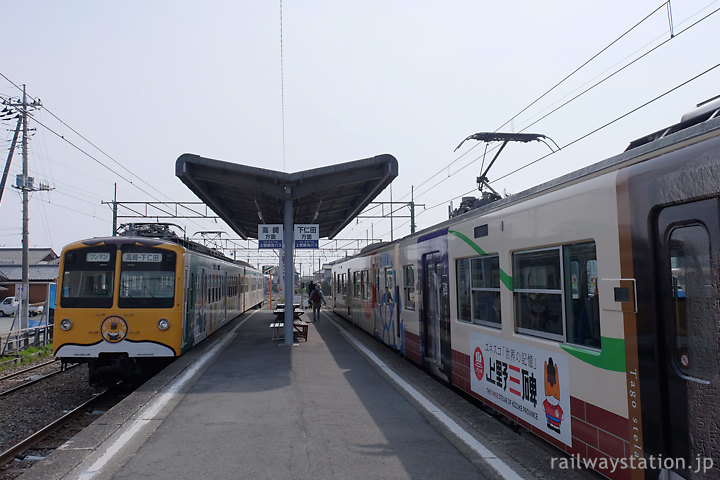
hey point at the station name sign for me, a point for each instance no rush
(307, 236)
(270, 236)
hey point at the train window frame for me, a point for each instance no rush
(388, 280)
(582, 308)
(689, 255)
(365, 284)
(567, 292)
(409, 295)
(356, 285)
(76, 261)
(139, 273)
(478, 292)
(542, 302)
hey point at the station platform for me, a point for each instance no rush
(339, 406)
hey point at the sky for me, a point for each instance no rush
(127, 87)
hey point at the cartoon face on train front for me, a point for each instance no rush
(114, 329)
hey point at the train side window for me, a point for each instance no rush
(409, 287)
(538, 294)
(356, 284)
(364, 284)
(694, 295)
(462, 277)
(478, 290)
(582, 309)
(389, 285)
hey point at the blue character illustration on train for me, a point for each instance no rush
(386, 302)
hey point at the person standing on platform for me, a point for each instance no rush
(310, 290)
(317, 298)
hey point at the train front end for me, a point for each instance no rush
(119, 306)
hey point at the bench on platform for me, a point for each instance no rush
(280, 312)
(300, 330)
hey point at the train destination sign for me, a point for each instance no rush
(531, 383)
(307, 236)
(140, 257)
(97, 257)
(270, 236)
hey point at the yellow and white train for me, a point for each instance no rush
(129, 304)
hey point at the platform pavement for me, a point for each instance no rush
(253, 408)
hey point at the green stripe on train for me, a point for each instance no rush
(610, 357)
(504, 277)
(612, 354)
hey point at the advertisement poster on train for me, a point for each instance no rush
(529, 382)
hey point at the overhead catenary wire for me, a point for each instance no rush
(582, 137)
(419, 192)
(89, 155)
(621, 69)
(44, 107)
(423, 192)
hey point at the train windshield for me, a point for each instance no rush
(88, 278)
(147, 277)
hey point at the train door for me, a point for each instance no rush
(350, 294)
(188, 308)
(243, 282)
(202, 305)
(689, 258)
(436, 315)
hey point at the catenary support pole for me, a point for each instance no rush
(288, 243)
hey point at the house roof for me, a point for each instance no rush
(13, 256)
(36, 273)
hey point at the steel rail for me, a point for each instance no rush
(31, 382)
(37, 437)
(15, 374)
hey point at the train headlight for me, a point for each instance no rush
(66, 324)
(163, 324)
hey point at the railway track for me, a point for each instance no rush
(27, 370)
(28, 376)
(25, 445)
(42, 407)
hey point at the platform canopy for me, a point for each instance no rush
(245, 196)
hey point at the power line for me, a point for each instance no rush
(582, 137)
(583, 65)
(576, 96)
(621, 69)
(551, 89)
(44, 107)
(613, 121)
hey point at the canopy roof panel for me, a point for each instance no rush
(245, 196)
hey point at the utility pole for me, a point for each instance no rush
(10, 155)
(25, 184)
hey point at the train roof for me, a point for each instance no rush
(160, 232)
(695, 124)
